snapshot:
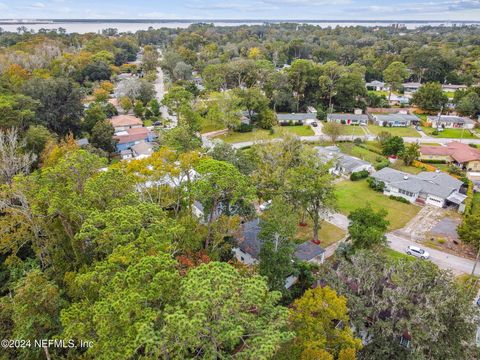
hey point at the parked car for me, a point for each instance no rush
(417, 252)
(314, 124)
(419, 128)
(478, 302)
(265, 205)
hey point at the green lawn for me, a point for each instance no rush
(352, 195)
(208, 126)
(400, 165)
(450, 133)
(359, 152)
(352, 130)
(396, 256)
(395, 131)
(328, 234)
(260, 134)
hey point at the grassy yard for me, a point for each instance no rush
(328, 234)
(352, 130)
(359, 152)
(450, 133)
(396, 256)
(395, 131)
(400, 165)
(260, 134)
(352, 195)
(209, 126)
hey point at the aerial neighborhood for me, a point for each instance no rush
(253, 191)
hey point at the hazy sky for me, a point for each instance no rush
(244, 9)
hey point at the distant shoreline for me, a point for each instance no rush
(133, 21)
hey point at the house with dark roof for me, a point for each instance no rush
(348, 119)
(432, 188)
(343, 164)
(249, 246)
(296, 118)
(396, 120)
(451, 122)
(461, 155)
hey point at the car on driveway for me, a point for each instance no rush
(314, 124)
(417, 252)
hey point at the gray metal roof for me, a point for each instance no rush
(433, 183)
(308, 251)
(349, 163)
(295, 117)
(347, 117)
(397, 117)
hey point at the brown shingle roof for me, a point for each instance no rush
(460, 152)
(129, 135)
(125, 120)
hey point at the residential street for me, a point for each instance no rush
(160, 90)
(397, 242)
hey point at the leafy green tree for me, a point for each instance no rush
(181, 138)
(17, 111)
(93, 115)
(430, 97)
(367, 228)
(469, 232)
(267, 119)
(394, 75)
(154, 107)
(14, 159)
(177, 97)
(414, 300)
(102, 136)
(310, 185)
(138, 109)
(96, 71)
(393, 145)
(60, 108)
(350, 91)
(468, 105)
(220, 187)
(225, 152)
(126, 104)
(278, 227)
(333, 130)
(253, 100)
(224, 108)
(36, 138)
(410, 154)
(300, 75)
(331, 74)
(221, 314)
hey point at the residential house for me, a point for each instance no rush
(462, 155)
(82, 142)
(451, 122)
(348, 119)
(396, 120)
(433, 188)
(376, 85)
(452, 87)
(130, 137)
(124, 122)
(411, 87)
(311, 110)
(249, 246)
(399, 100)
(343, 164)
(142, 150)
(296, 118)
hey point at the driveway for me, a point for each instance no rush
(317, 130)
(399, 240)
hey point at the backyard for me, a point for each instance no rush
(261, 134)
(395, 131)
(328, 234)
(362, 152)
(399, 214)
(450, 133)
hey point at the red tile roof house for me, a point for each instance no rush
(130, 137)
(124, 122)
(463, 155)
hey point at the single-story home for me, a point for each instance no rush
(142, 150)
(433, 188)
(128, 138)
(462, 155)
(396, 120)
(411, 87)
(296, 118)
(249, 246)
(82, 142)
(343, 164)
(348, 119)
(376, 85)
(399, 99)
(448, 122)
(124, 122)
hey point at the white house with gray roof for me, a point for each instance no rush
(348, 119)
(451, 122)
(396, 120)
(433, 188)
(296, 118)
(343, 164)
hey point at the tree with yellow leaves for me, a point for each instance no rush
(320, 320)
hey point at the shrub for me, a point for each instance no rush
(433, 161)
(441, 241)
(357, 141)
(399, 198)
(376, 185)
(383, 164)
(243, 128)
(359, 175)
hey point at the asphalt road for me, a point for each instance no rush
(160, 93)
(456, 264)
